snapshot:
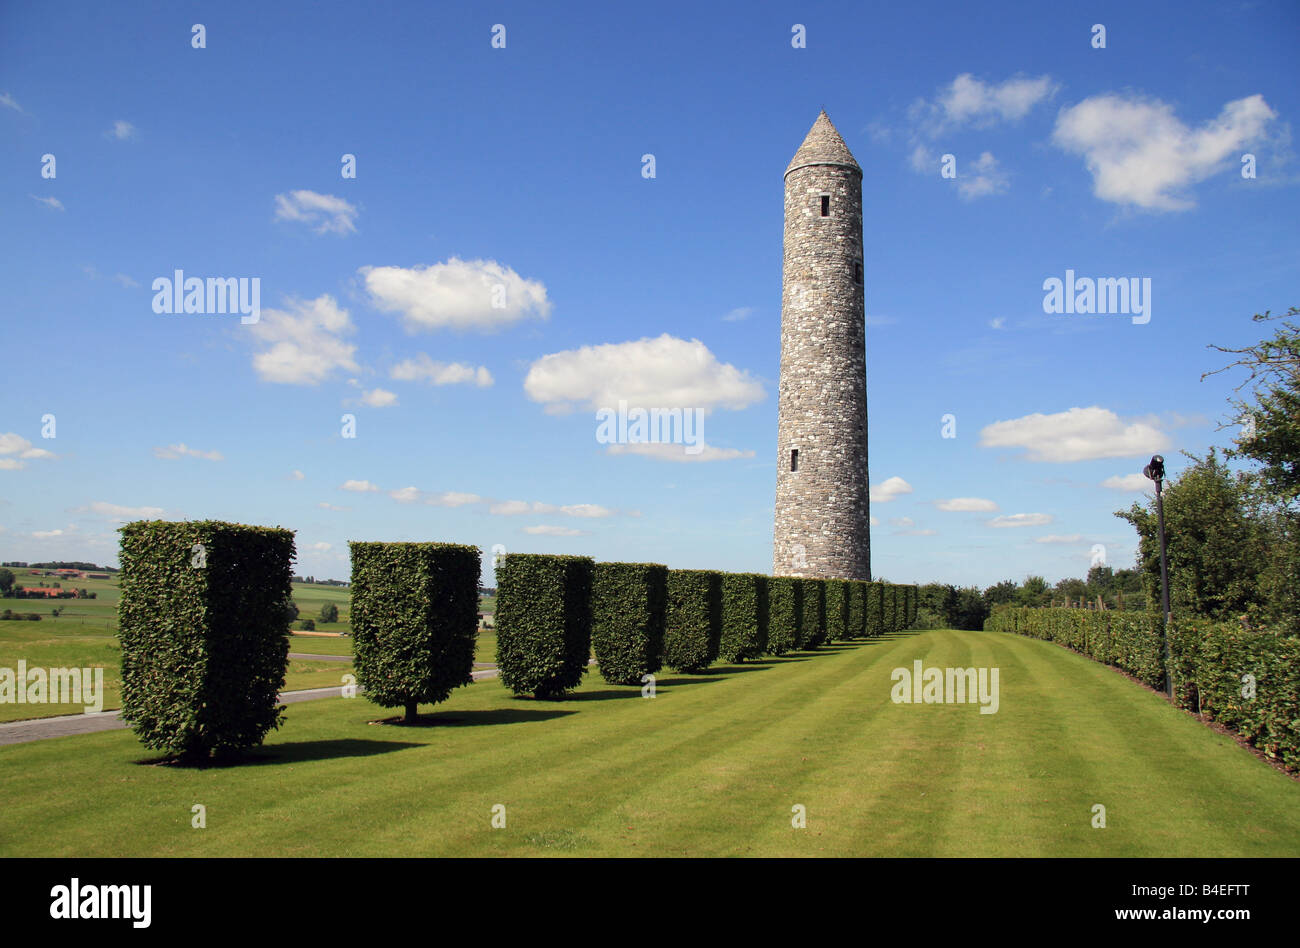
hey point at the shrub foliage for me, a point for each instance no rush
(744, 616)
(785, 608)
(543, 621)
(693, 628)
(628, 601)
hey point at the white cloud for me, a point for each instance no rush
(1139, 153)
(175, 451)
(512, 508)
(321, 547)
(1079, 434)
(916, 533)
(967, 100)
(8, 102)
(118, 512)
(1128, 482)
(666, 372)
(667, 451)
(458, 294)
(305, 347)
(738, 314)
(16, 444)
(423, 368)
(1021, 520)
(555, 531)
(324, 213)
(379, 398)
(999, 322)
(983, 177)
(51, 202)
(121, 130)
(324, 506)
(966, 504)
(46, 534)
(297, 475)
(586, 510)
(453, 499)
(902, 522)
(359, 487)
(1058, 538)
(405, 495)
(889, 489)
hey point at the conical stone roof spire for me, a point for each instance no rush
(823, 146)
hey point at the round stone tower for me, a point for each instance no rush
(822, 496)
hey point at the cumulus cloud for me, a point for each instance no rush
(513, 508)
(668, 451)
(982, 177)
(360, 487)
(46, 534)
(15, 451)
(452, 498)
(173, 452)
(889, 489)
(304, 342)
(1021, 520)
(1139, 153)
(119, 512)
(555, 531)
(1127, 482)
(1079, 434)
(459, 294)
(666, 372)
(324, 213)
(966, 505)
(423, 368)
(968, 100)
(379, 398)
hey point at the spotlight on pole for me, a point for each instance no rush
(1155, 471)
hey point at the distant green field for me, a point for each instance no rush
(84, 635)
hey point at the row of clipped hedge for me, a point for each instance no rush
(644, 616)
(1247, 680)
(204, 622)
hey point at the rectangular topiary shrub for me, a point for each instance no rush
(875, 609)
(693, 628)
(744, 616)
(204, 622)
(543, 621)
(857, 615)
(812, 631)
(628, 601)
(414, 621)
(784, 611)
(837, 609)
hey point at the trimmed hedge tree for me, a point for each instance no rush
(744, 616)
(858, 608)
(693, 627)
(628, 601)
(837, 609)
(812, 632)
(785, 605)
(875, 609)
(543, 622)
(414, 621)
(204, 623)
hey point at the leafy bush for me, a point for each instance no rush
(837, 609)
(329, 612)
(693, 629)
(414, 621)
(813, 625)
(204, 633)
(785, 608)
(875, 609)
(856, 620)
(628, 602)
(307, 625)
(744, 616)
(543, 620)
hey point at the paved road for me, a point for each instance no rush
(20, 732)
(313, 657)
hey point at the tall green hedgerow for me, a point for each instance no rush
(414, 621)
(857, 621)
(693, 628)
(785, 608)
(813, 627)
(838, 592)
(744, 616)
(875, 609)
(628, 601)
(543, 622)
(204, 622)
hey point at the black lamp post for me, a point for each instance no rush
(1156, 472)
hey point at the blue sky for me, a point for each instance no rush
(521, 167)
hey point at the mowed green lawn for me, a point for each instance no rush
(712, 766)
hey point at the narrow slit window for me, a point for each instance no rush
(794, 459)
(826, 205)
(857, 273)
